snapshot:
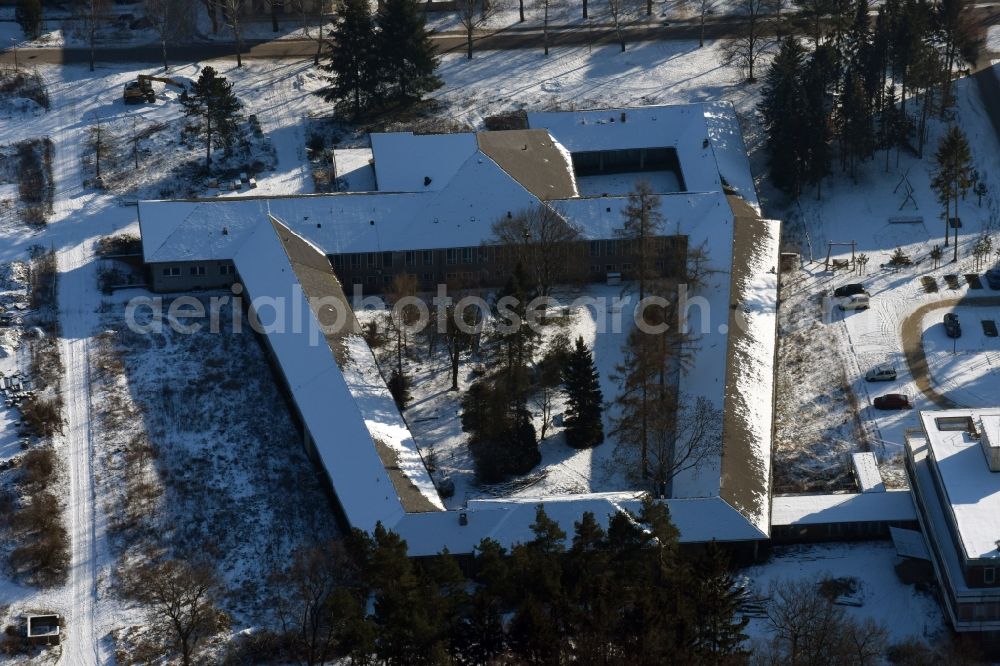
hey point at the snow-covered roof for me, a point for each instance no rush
(271, 272)
(459, 215)
(890, 506)
(972, 491)
(706, 136)
(408, 162)
(508, 521)
(866, 472)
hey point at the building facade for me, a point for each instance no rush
(954, 469)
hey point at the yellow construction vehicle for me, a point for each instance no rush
(141, 90)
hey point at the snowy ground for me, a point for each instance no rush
(434, 414)
(966, 369)
(906, 612)
(235, 481)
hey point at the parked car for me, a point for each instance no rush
(892, 401)
(849, 290)
(993, 277)
(856, 302)
(881, 373)
(951, 325)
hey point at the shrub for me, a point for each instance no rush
(399, 387)
(42, 416)
(37, 466)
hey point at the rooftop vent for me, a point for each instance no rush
(319, 225)
(371, 222)
(427, 181)
(225, 231)
(463, 518)
(704, 144)
(623, 116)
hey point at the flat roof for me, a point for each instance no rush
(866, 472)
(972, 490)
(890, 506)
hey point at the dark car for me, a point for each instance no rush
(993, 277)
(892, 401)
(951, 325)
(849, 290)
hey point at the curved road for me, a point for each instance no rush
(913, 347)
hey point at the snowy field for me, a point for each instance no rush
(906, 612)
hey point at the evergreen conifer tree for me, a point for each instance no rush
(215, 107)
(351, 59)
(404, 51)
(781, 108)
(716, 598)
(583, 398)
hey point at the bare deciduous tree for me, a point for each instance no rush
(808, 628)
(91, 15)
(754, 38)
(622, 13)
(180, 599)
(312, 14)
(705, 9)
(171, 20)
(474, 14)
(233, 10)
(682, 438)
(313, 600)
(545, 243)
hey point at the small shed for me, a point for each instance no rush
(43, 629)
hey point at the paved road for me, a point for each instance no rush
(297, 49)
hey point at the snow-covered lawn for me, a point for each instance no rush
(434, 413)
(231, 479)
(906, 612)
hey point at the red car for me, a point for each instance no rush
(892, 401)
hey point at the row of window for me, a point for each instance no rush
(428, 279)
(411, 258)
(199, 270)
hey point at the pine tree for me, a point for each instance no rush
(482, 637)
(819, 79)
(404, 51)
(537, 630)
(351, 58)
(954, 174)
(781, 104)
(214, 105)
(717, 599)
(409, 630)
(581, 381)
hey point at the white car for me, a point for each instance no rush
(856, 302)
(881, 373)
